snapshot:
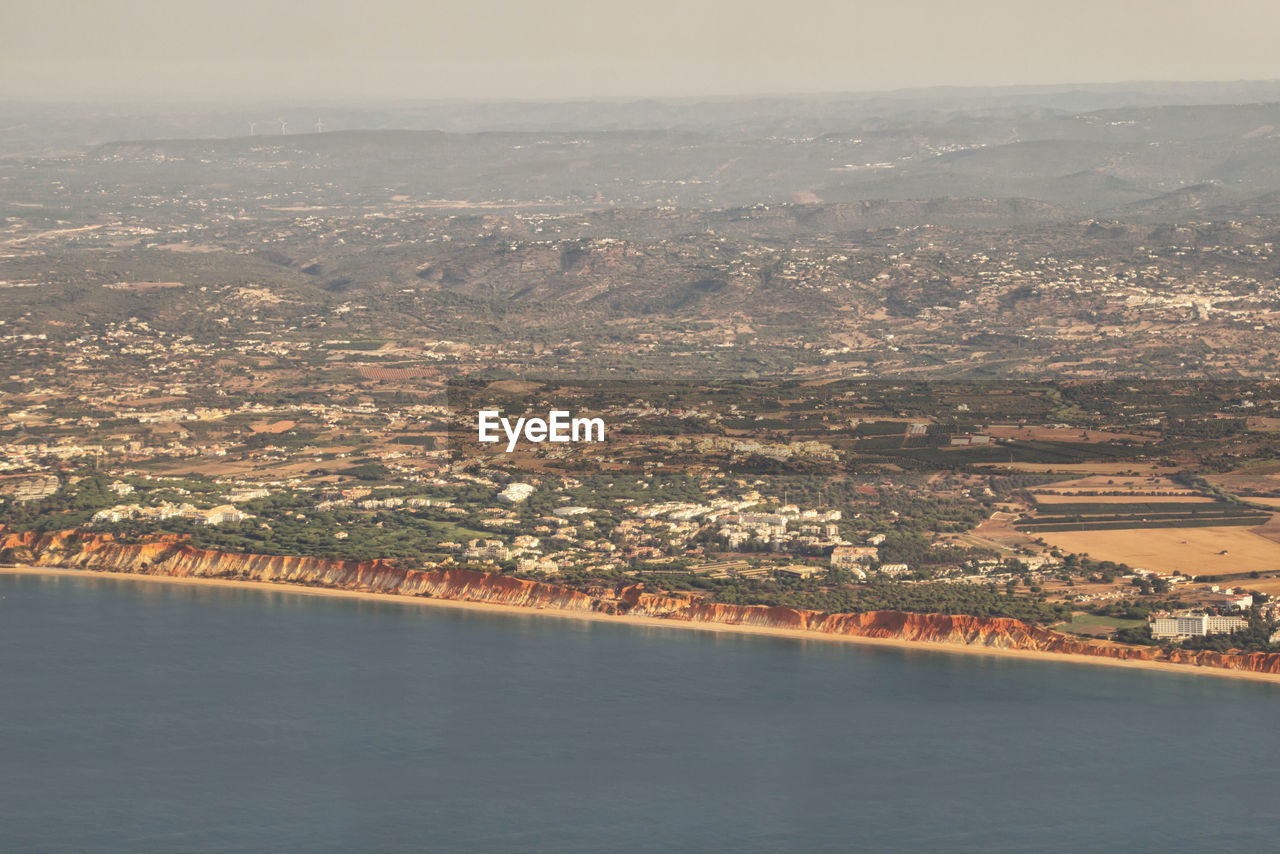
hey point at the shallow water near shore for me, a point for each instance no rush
(138, 716)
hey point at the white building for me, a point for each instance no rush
(801, 570)
(516, 492)
(223, 514)
(764, 520)
(238, 495)
(533, 564)
(1198, 625)
(487, 551)
(852, 557)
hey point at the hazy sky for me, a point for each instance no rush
(571, 48)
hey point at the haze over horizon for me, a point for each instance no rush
(569, 49)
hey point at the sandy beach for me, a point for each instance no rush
(653, 622)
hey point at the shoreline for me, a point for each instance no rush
(653, 622)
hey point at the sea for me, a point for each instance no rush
(138, 716)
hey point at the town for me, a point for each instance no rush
(838, 496)
(1047, 405)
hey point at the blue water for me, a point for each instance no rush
(138, 716)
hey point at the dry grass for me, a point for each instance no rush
(1269, 586)
(272, 426)
(1192, 551)
(1114, 483)
(513, 386)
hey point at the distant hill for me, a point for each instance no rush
(1149, 161)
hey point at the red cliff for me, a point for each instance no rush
(172, 556)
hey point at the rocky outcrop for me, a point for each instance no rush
(173, 556)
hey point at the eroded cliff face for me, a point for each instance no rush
(172, 556)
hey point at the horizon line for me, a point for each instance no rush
(210, 99)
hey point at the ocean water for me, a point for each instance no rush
(137, 716)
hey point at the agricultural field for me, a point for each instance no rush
(1269, 586)
(1250, 481)
(1191, 551)
(1106, 470)
(1110, 485)
(1062, 498)
(1062, 434)
(1088, 516)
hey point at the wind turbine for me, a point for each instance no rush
(284, 127)
(319, 126)
(252, 125)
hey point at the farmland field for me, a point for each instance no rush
(1130, 498)
(1107, 469)
(1058, 434)
(1192, 551)
(1114, 483)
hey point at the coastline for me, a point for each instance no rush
(654, 622)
